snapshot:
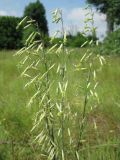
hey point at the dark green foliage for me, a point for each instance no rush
(102, 5)
(10, 37)
(75, 41)
(27, 32)
(36, 11)
(94, 38)
(31, 29)
(79, 39)
(56, 40)
(112, 43)
(107, 6)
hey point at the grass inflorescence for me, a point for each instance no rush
(65, 109)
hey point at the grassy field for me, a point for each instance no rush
(16, 119)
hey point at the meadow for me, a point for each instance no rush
(101, 140)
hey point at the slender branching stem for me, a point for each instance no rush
(63, 76)
(82, 124)
(49, 120)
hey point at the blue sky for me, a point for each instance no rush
(73, 13)
(17, 6)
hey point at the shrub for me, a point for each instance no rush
(111, 43)
(56, 40)
(10, 37)
(27, 32)
(92, 37)
(77, 40)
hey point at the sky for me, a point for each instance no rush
(73, 11)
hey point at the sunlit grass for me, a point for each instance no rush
(16, 118)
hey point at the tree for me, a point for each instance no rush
(36, 11)
(10, 37)
(111, 43)
(112, 10)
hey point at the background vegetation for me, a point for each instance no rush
(111, 44)
(10, 37)
(16, 120)
(69, 116)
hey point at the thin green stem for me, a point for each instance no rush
(50, 124)
(82, 125)
(63, 76)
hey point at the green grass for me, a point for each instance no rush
(16, 119)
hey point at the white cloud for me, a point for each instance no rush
(74, 21)
(76, 17)
(3, 13)
(79, 13)
(6, 13)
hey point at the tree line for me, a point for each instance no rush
(11, 38)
